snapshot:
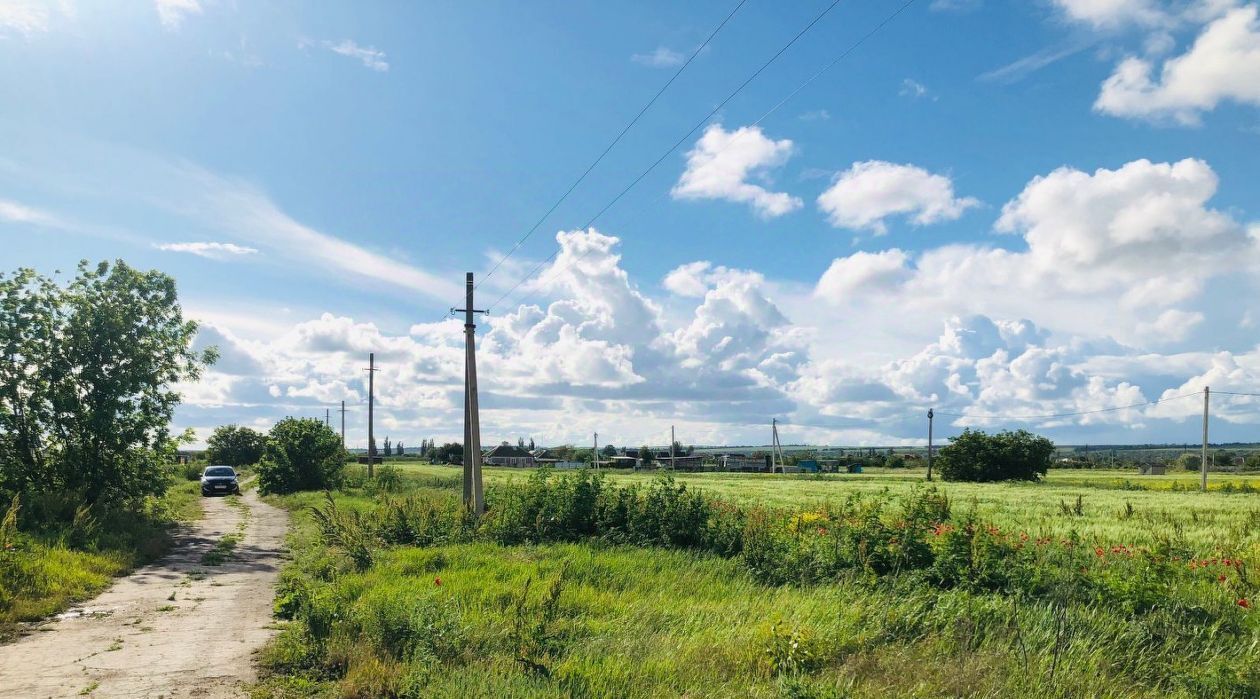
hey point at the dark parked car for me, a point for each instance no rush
(219, 480)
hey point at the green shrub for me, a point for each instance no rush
(189, 471)
(979, 457)
(233, 445)
(301, 454)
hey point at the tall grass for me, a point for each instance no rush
(54, 551)
(575, 585)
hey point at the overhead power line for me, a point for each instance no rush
(1073, 414)
(611, 145)
(677, 143)
(844, 54)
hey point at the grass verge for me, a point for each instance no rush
(393, 595)
(44, 570)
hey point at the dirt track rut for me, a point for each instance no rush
(175, 628)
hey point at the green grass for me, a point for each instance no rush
(1209, 521)
(46, 571)
(471, 618)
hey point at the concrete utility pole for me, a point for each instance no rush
(931, 414)
(371, 370)
(1203, 463)
(595, 454)
(776, 448)
(343, 424)
(326, 419)
(672, 463)
(473, 498)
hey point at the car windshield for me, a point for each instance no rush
(220, 471)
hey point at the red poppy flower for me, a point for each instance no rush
(1244, 603)
(438, 581)
(1221, 578)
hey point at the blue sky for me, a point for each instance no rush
(992, 208)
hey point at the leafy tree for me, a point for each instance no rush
(449, 453)
(398, 449)
(608, 450)
(389, 451)
(646, 456)
(301, 454)
(531, 444)
(980, 457)
(235, 446)
(1189, 462)
(520, 442)
(86, 381)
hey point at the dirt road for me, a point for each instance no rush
(181, 627)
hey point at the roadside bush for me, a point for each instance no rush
(110, 346)
(233, 445)
(189, 471)
(978, 457)
(301, 454)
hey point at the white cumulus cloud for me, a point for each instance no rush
(871, 191)
(722, 162)
(863, 271)
(1111, 14)
(1222, 65)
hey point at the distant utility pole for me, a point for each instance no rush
(672, 464)
(326, 419)
(371, 370)
(931, 415)
(343, 424)
(595, 454)
(473, 499)
(776, 447)
(1203, 462)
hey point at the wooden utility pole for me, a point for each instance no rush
(371, 370)
(1203, 462)
(327, 418)
(473, 498)
(343, 424)
(931, 414)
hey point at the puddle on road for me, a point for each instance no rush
(93, 612)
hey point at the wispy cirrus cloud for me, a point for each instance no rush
(369, 56)
(661, 57)
(213, 251)
(172, 12)
(20, 213)
(1023, 67)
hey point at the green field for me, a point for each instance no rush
(1131, 591)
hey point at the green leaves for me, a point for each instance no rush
(979, 457)
(87, 380)
(234, 445)
(301, 454)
